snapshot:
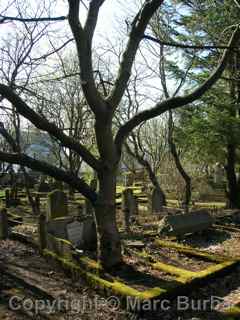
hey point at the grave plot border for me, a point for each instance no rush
(223, 263)
(91, 271)
(62, 251)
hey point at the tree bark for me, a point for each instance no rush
(109, 245)
(233, 193)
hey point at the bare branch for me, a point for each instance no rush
(177, 102)
(84, 49)
(139, 26)
(43, 124)
(188, 46)
(40, 19)
(92, 17)
(52, 171)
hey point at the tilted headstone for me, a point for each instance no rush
(129, 206)
(83, 234)
(181, 224)
(56, 205)
(3, 224)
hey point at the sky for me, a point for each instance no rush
(111, 28)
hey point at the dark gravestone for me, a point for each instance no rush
(7, 198)
(129, 207)
(57, 205)
(181, 224)
(3, 224)
(156, 201)
(58, 227)
(42, 232)
(44, 187)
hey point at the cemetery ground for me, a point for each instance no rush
(49, 268)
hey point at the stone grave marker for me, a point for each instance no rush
(7, 198)
(129, 206)
(181, 224)
(82, 234)
(3, 224)
(43, 187)
(56, 205)
(156, 201)
(75, 232)
(58, 227)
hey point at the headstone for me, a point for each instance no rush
(219, 174)
(37, 203)
(57, 205)
(156, 201)
(43, 187)
(42, 232)
(236, 217)
(129, 206)
(83, 234)
(181, 224)
(88, 208)
(11, 197)
(58, 227)
(3, 224)
(7, 198)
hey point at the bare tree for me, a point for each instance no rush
(109, 145)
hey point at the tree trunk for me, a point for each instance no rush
(154, 180)
(109, 245)
(32, 202)
(233, 192)
(181, 170)
(152, 176)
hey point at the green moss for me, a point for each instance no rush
(93, 279)
(215, 268)
(191, 251)
(152, 293)
(182, 273)
(232, 311)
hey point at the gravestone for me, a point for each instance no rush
(219, 174)
(7, 198)
(83, 234)
(43, 186)
(58, 227)
(56, 205)
(88, 208)
(11, 197)
(42, 232)
(236, 217)
(181, 224)
(3, 224)
(156, 201)
(129, 206)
